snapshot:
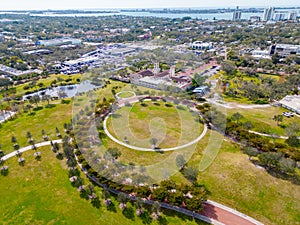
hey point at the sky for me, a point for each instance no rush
(110, 4)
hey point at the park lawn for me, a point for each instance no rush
(170, 126)
(262, 119)
(41, 193)
(47, 119)
(275, 77)
(238, 99)
(125, 94)
(236, 182)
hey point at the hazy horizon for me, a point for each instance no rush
(135, 4)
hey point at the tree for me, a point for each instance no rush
(286, 165)
(13, 139)
(248, 125)
(46, 98)
(155, 210)
(293, 141)
(278, 119)
(270, 159)
(153, 142)
(106, 197)
(139, 206)
(114, 152)
(236, 117)
(228, 67)
(180, 162)
(4, 82)
(191, 173)
(35, 99)
(250, 151)
(122, 198)
(292, 129)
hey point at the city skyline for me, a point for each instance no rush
(117, 4)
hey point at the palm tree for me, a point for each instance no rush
(13, 139)
(139, 206)
(153, 143)
(37, 156)
(278, 119)
(155, 210)
(122, 198)
(106, 197)
(28, 135)
(45, 137)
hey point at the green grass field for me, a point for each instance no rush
(170, 126)
(236, 182)
(47, 119)
(41, 193)
(125, 94)
(262, 119)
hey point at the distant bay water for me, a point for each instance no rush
(204, 16)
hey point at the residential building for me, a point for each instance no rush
(237, 14)
(292, 15)
(279, 16)
(268, 14)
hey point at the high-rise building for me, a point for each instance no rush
(268, 14)
(237, 14)
(292, 15)
(279, 16)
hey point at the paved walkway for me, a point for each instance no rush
(6, 115)
(232, 105)
(269, 135)
(27, 148)
(226, 215)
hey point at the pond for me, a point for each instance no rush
(67, 91)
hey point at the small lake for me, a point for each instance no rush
(67, 91)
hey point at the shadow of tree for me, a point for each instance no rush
(111, 207)
(129, 213)
(162, 221)
(146, 217)
(96, 202)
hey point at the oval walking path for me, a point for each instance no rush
(135, 99)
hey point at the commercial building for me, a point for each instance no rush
(199, 45)
(284, 50)
(14, 72)
(291, 102)
(59, 41)
(39, 52)
(254, 19)
(268, 14)
(261, 54)
(81, 62)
